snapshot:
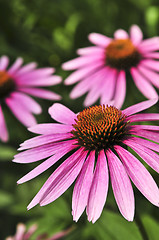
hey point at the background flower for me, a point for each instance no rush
(95, 137)
(15, 85)
(101, 69)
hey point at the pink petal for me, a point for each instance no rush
(20, 232)
(121, 185)
(120, 90)
(143, 117)
(152, 76)
(62, 114)
(25, 69)
(90, 50)
(99, 39)
(87, 83)
(82, 61)
(3, 128)
(20, 112)
(36, 74)
(139, 107)
(4, 61)
(136, 35)
(16, 65)
(139, 175)
(82, 187)
(151, 44)
(146, 143)
(46, 81)
(44, 139)
(63, 177)
(150, 157)
(99, 188)
(152, 55)
(45, 165)
(82, 73)
(30, 104)
(152, 64)
(109, 85)
(146, 134)
(143, 85)
(41, 93)
(121, 34)
(50, 128)
(41, 152)
(92, 96)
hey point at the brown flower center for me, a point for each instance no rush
(7, 84)
(100, 127)
(122, 54)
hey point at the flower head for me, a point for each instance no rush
(91, 141)
(101, 69)
(16, 83)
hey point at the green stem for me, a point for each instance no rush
(141, 227)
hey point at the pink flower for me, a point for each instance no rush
(101, 69)
(15, 85)
(23, 234)
(94, 139)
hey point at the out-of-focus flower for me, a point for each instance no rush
(23, 234)
(16, 83)
(101, 69)
(91, 141)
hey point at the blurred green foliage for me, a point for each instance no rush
(49, 32)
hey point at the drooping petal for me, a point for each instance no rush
(90, 50)
(154, 55)
(99, 188)
(62, 114)
(81, 61)
(120, 90)
(136, 34)
(121, 185)
(141, 117)
(45, 165)
(87, 83)
(148, 45)
(74, 163)
(16, 65)
(3, 128)
(146, 134)
(20, 112)
(139, 175)
(139, 107)
(143, 85)
(27, 68)
(42, 81)
(64, 176)
(4, 61)
(41, 93)
(151, 64)
(50, 128)
(150, 157)
(121, 34)
(82, 73)
(82, 187)
(30, 104)
(149, 74)
(146, 143)
(44, 139)
(99, 39)
(41, 152)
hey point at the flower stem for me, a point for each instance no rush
(141, 227)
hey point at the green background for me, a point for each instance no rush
(49, 32)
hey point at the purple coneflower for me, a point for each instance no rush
(16, 83)
(23, 234)
(101, 69)
(94, 140)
